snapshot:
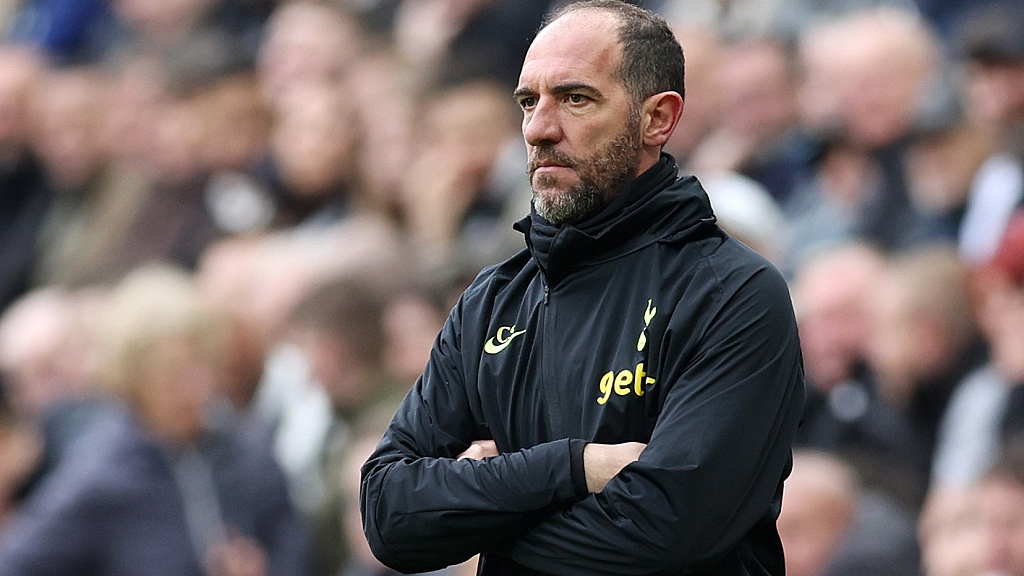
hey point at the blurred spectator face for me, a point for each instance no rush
(176, 384)
(756, 89)
(703, 102)
(941, 167)
(314, 140)
(236, 123)
(897, 332)
(950, 534)
(995, 92)
(162, 21)
(46, 347)
(921, 320)
(470, 123)
(868, 73)
(893, 59)
(19, 68)
(823, 59)
(132, 111)
(306, 43)
(1001, 316)
(888, 68)
(381, 86)
(817, 508)
(830, 296)
(244, 359)
(68, 108)
(411, 324)
(177, 151)
(334, 364)
(999, 287)
(1001, 508)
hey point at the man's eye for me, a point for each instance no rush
(528, 102)
(577, 98)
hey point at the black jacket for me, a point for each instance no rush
(643, 323)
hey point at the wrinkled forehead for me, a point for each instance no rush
(583, 43)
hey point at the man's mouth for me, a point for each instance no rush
(549, 162)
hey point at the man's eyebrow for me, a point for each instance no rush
(560, 89)
(575, 87)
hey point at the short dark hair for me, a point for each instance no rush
(652, 59)
(350, 309)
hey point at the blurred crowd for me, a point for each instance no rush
(231, 229)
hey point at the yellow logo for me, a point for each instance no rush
(502, 339)
(624, 383)
(641, 343)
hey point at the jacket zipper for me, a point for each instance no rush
(556, 426)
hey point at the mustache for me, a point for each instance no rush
(550, 155)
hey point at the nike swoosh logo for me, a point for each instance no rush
(502, 339)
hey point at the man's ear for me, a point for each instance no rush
(660, 114)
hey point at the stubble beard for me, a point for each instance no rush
(602, 177)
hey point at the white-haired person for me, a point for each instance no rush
(156, 488)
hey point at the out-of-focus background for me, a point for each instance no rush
(231, 229)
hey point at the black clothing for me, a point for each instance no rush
(24, 202)
(643, 323)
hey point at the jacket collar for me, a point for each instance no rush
(655, 206)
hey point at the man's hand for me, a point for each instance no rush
(479, 450)
(237, 555)
(602, 462)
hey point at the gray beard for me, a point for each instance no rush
(602, 177)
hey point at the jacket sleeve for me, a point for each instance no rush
(716, 457)
(423, 509)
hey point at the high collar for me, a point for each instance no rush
(655, 206)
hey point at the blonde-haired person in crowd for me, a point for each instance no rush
(155, 486)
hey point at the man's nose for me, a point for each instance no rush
(542, 124)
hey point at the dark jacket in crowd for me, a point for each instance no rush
(646, 323)
(113, 507)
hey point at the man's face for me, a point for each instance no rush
(581, 129)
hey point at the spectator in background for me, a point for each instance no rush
(361, 561)
(24, 196)
(412, 319)
(447, 206)
(48, 358)
(338, 334)
(1000, 504)
(991, 41)
(1000, 288)
(831, 526)
(747, 212)
(940, 166)
(151, 489)
(950, 534)
(68, 107)
(454, 40)
(844, 413)
(866, 74)
(20, 450)
(922, 343)
(313, 146)
(757, 135)
(305, 43)
(984, 409)
(703, 50)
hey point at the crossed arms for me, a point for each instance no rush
(434, 494)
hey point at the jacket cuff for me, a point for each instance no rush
(576, 470)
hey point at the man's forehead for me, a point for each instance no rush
(584, 42)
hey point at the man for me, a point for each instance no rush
(621, 397)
